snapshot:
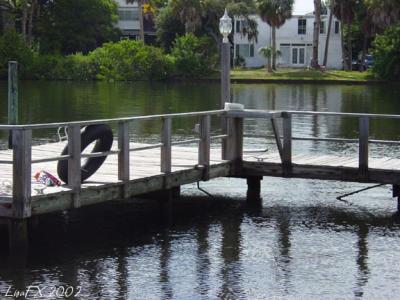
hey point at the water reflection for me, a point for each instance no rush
(216, 250)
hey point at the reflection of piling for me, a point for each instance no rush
(362, 260)
(231, 245)
(203, 257)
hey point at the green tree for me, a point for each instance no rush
(383, 13)
(275, 13)
(387, 54)
(194, 56)
(267, 53)
(202, 17)
(168, 27)
(344, 10)
(77, 26)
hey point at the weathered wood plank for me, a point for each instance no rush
(363, 145)
(21, 144)
(74, 162)
(123, 156)
(277, 137)
(166, 145)
(287, 142)
(204, 144)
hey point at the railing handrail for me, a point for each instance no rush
(246, 113)
(113, 120)
(257, 113)
(343, 114)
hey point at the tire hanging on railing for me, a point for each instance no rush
(103, 137)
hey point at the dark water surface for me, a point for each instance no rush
(302, 243)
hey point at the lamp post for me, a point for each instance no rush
(225, 28)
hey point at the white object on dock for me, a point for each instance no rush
(233, 106)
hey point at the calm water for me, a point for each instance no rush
(302, 243)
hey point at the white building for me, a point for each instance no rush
(128, 21)
(294, 40)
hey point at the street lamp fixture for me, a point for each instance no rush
(225, 26)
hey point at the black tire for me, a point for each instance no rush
(103, 136)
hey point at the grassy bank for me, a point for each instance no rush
(298, 75)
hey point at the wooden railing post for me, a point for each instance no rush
(74, 162)
(12, 97)
(363, 146)
(123, 155)
(204, 144)
(166, 145)
(22, 169)
(234, 141)
(287, 143)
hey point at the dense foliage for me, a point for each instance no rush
(77, 26)
(194, 57)
(387, 54)
(124, 60)
(13, 47)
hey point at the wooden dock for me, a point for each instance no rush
(133, 168)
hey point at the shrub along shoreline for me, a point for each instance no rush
(126, 60)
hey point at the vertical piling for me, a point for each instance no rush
(254, 190)
(12, 97)
(396, 194)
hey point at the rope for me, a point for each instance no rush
(204, 191)
(340, 198)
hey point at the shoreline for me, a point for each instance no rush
(300, 81)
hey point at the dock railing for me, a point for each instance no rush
(233, 138)
(22, 152)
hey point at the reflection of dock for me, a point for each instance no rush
(133, 169)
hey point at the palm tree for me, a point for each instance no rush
(267, 53)
(328, 34)
(275, 13)
(189, 13)
(317, 27)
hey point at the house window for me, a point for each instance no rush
(322, 29)
(241, 25)
(128, 14)
(337, 27)
(302, 26)
(245, 50)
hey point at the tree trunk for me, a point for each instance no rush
(269, 66)
(362, 66)
(317, 28)
(328, 36)
(349, 46)
(273, 48)
(30, 21)
(140, 8)
(24, 20)
(342, 37)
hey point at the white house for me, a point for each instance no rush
(294, 40)
(128, 21)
